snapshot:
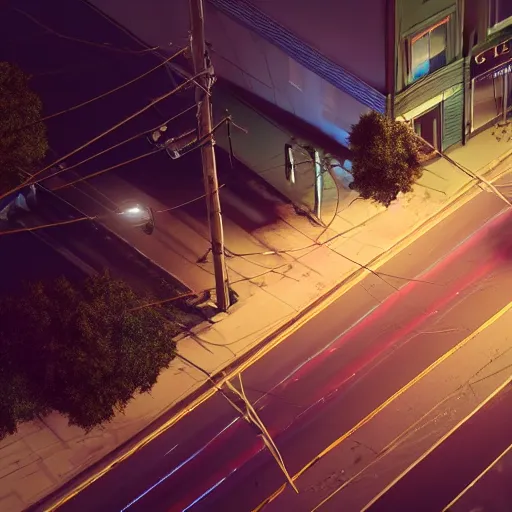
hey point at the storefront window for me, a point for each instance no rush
(499, 11)
(488, 99)
(428, 50)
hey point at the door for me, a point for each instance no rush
(428, 126)
(488, 98)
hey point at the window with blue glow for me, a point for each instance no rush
(428, 50)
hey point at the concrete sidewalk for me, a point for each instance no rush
(42, 456)
(181, 235)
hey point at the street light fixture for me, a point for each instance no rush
(132, 211)
(139, 216)
(26, 200)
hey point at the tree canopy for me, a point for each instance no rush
(23, 142)
(386, 158)
(82, 350)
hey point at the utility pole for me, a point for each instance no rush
(202, 63)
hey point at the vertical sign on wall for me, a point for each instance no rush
(289, 165)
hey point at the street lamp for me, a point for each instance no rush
(139, 216)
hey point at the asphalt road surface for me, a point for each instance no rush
(438, 478)
(326, 376)
(491, 490)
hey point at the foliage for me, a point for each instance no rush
(386, 158)
(81, 350)
(23, 141)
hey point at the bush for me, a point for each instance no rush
(386, 158)
(23, 142)
(82, 350)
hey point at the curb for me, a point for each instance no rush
(492, 165)
(203, 392)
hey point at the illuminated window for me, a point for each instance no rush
(499, 12)
(428, 50)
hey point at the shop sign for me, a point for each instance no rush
(491, 59)
(502, 71)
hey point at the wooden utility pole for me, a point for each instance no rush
(204, 118)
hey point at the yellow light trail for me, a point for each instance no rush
(498, 390)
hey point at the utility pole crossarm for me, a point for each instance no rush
(202, 63)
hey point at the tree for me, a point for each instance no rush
(81, 350)
(23, 142)
(386, 158)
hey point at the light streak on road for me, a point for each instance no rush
(211, 489)
(378, 311)
(181, 465)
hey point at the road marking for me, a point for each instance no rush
(459, 200)
(395, 443)
(498, 390)
(391, 399)
(171, 450)
(477, 479)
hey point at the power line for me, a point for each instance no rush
(164, 301)
(197, 145)
(112, 167)
(104, 46)
(473, 175)
(101, 135)
(249, 415)
(95, 217)
(315, 243)
(120, 27)
(157, 51)
(107, 93)
(115, 146)
(272, 252)
(44, 226)
(376, 273)
(186, 203)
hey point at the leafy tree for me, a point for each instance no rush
(23, 141)
(386, 158)
(82, 350)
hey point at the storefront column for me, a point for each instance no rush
(505, 97)
(472, 107)
(489, 73)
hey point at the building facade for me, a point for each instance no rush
(487, 44)
(274, 50)
(429, 80)
(328, 62)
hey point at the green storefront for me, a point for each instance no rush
(430, 70)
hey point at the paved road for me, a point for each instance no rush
(490, 493)
(436, 480)
(327, 376)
